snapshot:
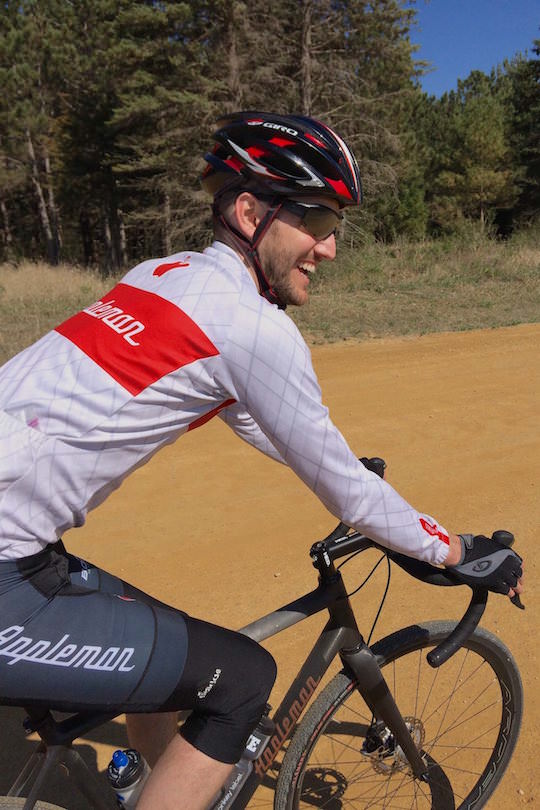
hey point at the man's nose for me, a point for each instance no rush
(326, 248)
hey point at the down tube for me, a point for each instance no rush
(331, 640)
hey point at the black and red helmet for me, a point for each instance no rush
(285, 155)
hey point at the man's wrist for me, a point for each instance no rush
(455, 551)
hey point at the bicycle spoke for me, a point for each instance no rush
(454, 715)
(483, 733)
(450, 697)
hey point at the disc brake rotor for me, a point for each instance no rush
(387, 757)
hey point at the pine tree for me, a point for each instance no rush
(29, 41)
(469, 173)
(525, 132)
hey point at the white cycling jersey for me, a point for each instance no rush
(176, 342)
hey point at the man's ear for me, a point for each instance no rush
(247, 213)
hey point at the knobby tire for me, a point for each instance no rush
(465, 717)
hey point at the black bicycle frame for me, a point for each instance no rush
(340, 636)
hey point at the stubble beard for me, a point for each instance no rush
(277, 264)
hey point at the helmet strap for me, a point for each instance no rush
(249, 247)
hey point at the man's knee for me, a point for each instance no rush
(241, 682)
(254, 684)
(227, 678)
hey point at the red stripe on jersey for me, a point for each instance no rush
(137, 337)
(207, 416)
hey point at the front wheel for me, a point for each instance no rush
(464, 717)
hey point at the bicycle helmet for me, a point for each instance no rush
(287, 155)
(276, 157)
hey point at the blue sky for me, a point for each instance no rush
(458, 36)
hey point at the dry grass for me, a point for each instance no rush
(432, 286)
(35, 297)
(405, 288)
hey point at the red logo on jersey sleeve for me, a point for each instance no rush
(434, 531)
(137, 337)
(161, 269)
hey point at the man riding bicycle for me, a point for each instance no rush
(180, 340)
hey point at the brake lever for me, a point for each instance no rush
(507, 539)
(517, 601)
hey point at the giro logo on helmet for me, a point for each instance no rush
(272, 125)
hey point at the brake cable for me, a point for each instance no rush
(366, 580)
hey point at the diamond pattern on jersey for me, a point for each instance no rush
(137, 337)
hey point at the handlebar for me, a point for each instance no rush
(341, 542)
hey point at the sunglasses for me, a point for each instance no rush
(318, 220)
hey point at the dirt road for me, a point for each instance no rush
(214, 527)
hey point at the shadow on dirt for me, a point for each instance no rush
(60, 789)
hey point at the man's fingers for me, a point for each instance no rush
(517, 589)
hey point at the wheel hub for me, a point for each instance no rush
(380, 746)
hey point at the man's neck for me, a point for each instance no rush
(221, 235)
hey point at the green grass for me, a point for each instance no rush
(450, 284)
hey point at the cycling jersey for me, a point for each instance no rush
(177, 341)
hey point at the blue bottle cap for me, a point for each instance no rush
(120, 759)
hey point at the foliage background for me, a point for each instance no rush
(108, 105)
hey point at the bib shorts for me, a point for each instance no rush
(74, 638)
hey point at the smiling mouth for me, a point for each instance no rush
(306, 269)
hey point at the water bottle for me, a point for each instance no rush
(254, 747)
(259, 738)
(127, 773)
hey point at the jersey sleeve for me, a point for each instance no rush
(246, 428)
(272, 377)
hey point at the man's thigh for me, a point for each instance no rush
(74, 637)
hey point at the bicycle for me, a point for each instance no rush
(446, 746)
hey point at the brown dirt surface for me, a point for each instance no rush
(219, 530)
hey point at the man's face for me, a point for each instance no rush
(289, 255)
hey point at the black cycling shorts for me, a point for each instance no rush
(74, 638)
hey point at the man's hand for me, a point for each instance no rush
(483, 562)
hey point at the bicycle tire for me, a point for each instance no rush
(481, 715)
(16, 803)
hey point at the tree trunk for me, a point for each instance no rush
(55, 218)
(235, 85)
(115, 244)
(305, 58)
(87, 240)
(7, 236)
(109, 250)
(52, 243)
(167, 226)
(113, 238)
(123, 243)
